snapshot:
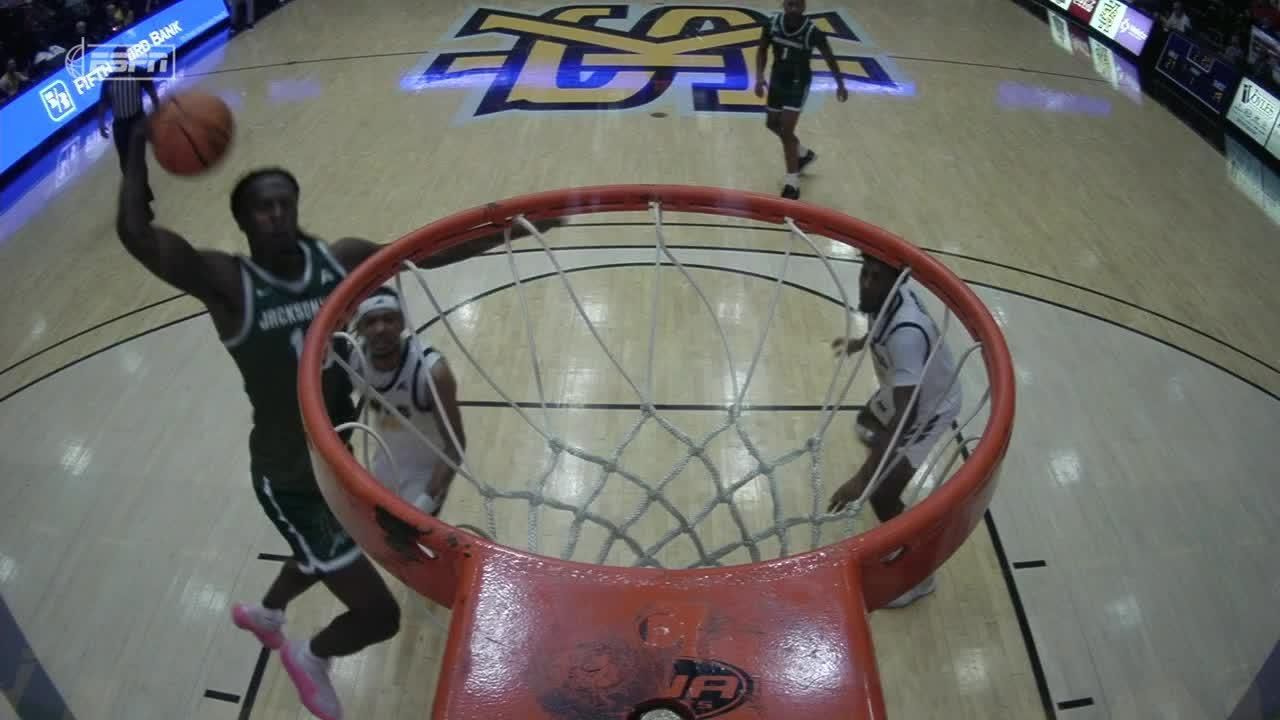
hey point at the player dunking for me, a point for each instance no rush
(416, 381)
(899, 350)
(793, 38)
(261, 307)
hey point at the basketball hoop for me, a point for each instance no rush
(538, 637)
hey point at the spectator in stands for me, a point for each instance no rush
(12, 82)
(84, 35)
(122, 16)
(1177, 20)
(47, 58)
(79, 9)
(37, 16)
(1235, 53)
(1265, 14)
(113, 18)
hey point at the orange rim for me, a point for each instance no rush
(970, 480)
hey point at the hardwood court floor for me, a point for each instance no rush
(1116, 203)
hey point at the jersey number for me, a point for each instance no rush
(296, 340)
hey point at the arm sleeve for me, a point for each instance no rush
(908, 349)
(817, 38)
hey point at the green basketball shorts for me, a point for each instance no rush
(295, 506)
(788, 91)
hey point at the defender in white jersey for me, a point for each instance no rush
(900, 350)
(415, 380)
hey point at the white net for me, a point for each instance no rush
(657, 510)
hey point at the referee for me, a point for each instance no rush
(122, 95)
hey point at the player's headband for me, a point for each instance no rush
(381, 301)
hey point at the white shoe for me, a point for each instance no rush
(928, 585)
(266, 624)
(310, 675)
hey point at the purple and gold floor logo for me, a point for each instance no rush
(700, 58)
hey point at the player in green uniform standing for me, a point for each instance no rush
(261, 307)
(793, 38)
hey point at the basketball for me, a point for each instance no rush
(191, 132)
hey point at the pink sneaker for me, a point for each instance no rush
(264, 623)
(310, 675)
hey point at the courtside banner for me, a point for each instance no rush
(1254, 110)
(1116, 69)
(1060, 29)
(1273, 145)
(1252, 176)
(1116, 21)
(1201, 74)
(59, 99)
(1082, 10)
(1262, 44)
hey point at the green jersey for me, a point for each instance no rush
(277, 313)
(792, 49)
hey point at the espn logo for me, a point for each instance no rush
(89, 64)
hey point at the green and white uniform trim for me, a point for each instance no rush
(267, 349)
(792, 71)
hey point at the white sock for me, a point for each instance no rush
(792, 179)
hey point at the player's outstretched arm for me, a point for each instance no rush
(209, 276)
(824, 48)
(449, 416)
(762, 57)
(484, 244)
(853, 488)
(848, 346)
(353, 251)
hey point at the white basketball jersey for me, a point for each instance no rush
(407, 389)
(900, 348)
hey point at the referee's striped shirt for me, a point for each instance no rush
(124, 93)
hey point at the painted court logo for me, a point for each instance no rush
(625, 56)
